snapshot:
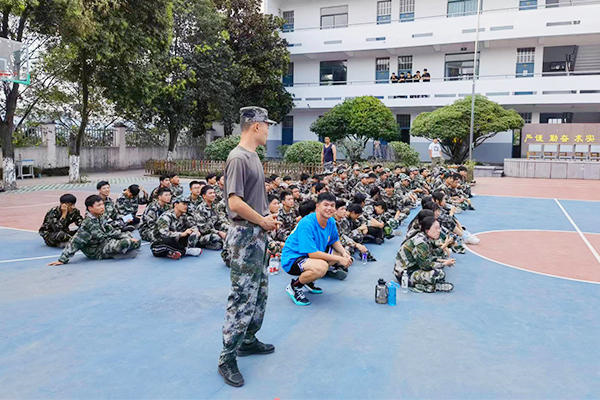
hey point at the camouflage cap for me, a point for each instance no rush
(413, 169)
(404, 177)
(340, 170)
(387, 170)
(255, 114)
(363, 176)
(181, 199)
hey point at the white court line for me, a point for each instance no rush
(29, 205)
(28, 259)
(529, 197)
(17, 229)
(587, 242)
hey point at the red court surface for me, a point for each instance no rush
(556, 253)
(567, 189)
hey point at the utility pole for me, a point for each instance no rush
(475, 71)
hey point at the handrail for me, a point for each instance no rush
(452, 79)
(574, 3)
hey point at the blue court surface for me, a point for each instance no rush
(151, 328)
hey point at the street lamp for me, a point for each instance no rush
(475, 70)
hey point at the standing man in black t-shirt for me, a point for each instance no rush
(246, 240)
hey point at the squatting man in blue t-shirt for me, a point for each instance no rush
(311, 248)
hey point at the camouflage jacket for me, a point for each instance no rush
(194, 204)
(350, 226)
(169, 226)
(415, 253)
(343, 227)
(218, 193)
(54, 223)
(127, 206)
(339, 187)
(176, 190)
(208, 219)
(91, 236)
(361, 188)
(149, 218)
(288, 223)
(110, 210)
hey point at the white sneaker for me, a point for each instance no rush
(471, 239)
(193, 251)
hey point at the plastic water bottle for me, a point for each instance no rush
(363, 257)
(381, 292)
(276, 265)
(272, 265)
(404, 281)
(392, 288)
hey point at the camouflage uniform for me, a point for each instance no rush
(149, 218)
(55, 230)
(176, 190)
(418, 256)
(194, 204)
(288, 223)
(127, 206)
(361, 188)
(209, 222)
(110, 211)
(98, 239)
(351, 226)
(168, 226)
(218, 193)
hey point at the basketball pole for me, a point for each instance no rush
(475, 70)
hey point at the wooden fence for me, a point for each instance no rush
(204, 167)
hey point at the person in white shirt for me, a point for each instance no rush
(435, 153)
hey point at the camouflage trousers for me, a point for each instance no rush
(115, 248)
(247, 246)
(210, 241)
(430, 277)
(58, 238)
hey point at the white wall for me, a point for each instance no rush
(430, 8)
(498, 61)
(363, 68)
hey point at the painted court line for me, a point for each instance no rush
(29, 205)
(529, 197)
(28, 259)
(18, 229)
(587, 243)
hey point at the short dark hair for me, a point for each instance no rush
(219, 176)
(274, 176)
(67, 198)
(173, 175)
(162, 178)
(102, 183)
(456, 176)
(355, 208)
(162, 190)
(438, 195)
(381, 204)
(388, 185)
(359, 198)
(462, 168)
(374, 191)
(430, 205)
(319, 186)
(134, 189)
(268, 180)
(283, 194)
(192, 183)
(287, 178)
(304, 176)
(427, 223)
(91, 200)
(325, 196)
(306, 207)
(210, 176)
(272, 197)
(373, 175)
(205, 189)
(292, 187)
(340, 203)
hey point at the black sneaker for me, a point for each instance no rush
(231, 374)
(257, 347)
(312, 288)
(297, 295)
(337, 273)
(378, 241)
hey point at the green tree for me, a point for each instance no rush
(306, 152)
(260, 59)
(405, 154)
(354, 122)
(102, 50)
(451, 124)
(220, 148)
(33, 22)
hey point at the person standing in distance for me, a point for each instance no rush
(329, 154)
(435, 153)
(247, 243)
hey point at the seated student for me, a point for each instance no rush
(55, 229)
(386, 217)
(175, 233)
(287, 181)
(449, 221)
(416, 257)
(194, 198)
(341, 221)
(394, 78)
(447, 241)
(97, 238)
(211, 179)
(356, 225)
(219, 188)
(374, 227)
(153, 212)
(110, 212)
(163, 181)
(304, 185)
(128, 204)
(275, 243)
(212, 225)
(297, 195)
(176, 188)
(426, 77)
(308, 250)
(464, 185)
(287, 215)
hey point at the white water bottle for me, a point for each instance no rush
(404, 281)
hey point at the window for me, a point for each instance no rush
(288, 26)
(384, 12)
(288, 78)
(404, 65)
(333, 72)
(460, 66)
(525, 62)
(528, 4)
(287, 130)
(556, 118)
(458, 8)
(382, 70)
(552, 3)
(407, 10)
(526, 117)
(334, 17)
(403, 121)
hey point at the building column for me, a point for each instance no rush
(49, 140)
(120, 141)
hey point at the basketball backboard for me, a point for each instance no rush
(14, 62)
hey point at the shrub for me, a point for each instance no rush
(282, 149)
(220, 148)
(405, 154)
(306, 152)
